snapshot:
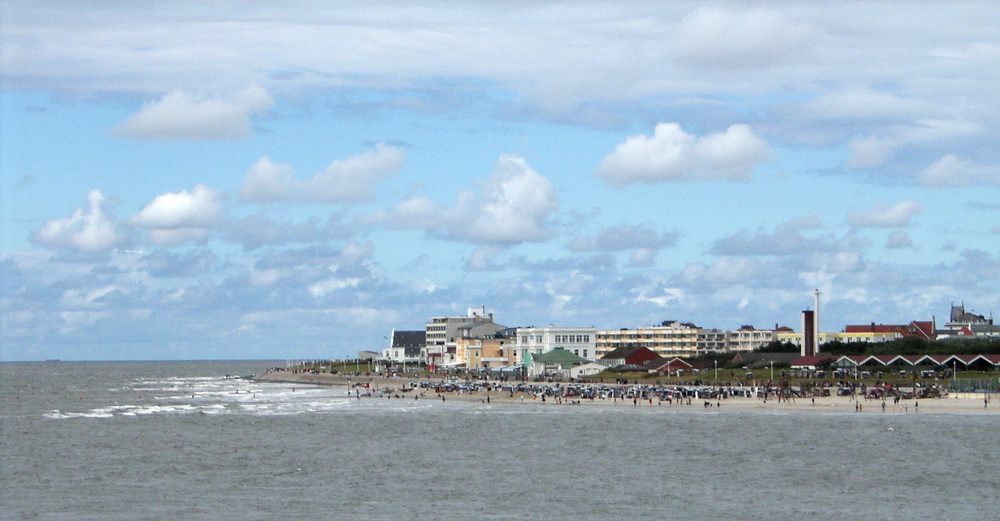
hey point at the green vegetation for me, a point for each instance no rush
(916, 346)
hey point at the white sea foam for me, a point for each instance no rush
(221, 395)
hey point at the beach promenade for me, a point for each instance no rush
(406, 388)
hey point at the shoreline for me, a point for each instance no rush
(392, 388)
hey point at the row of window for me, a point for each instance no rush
(573, 339)
(566, 339)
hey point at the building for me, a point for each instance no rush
(886, 332)
(747, 338)
(629, 355)
(965, 324)
(491, 348)
(711, 341)
(581, 341)
(669, 339)
(405, 347)
(442, 332)
(557, 362)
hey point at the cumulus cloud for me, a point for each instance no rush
(353, 179)
(343, 181)
(671, 154)
(88, 229)
(514, 206)
(178, 217)
(885, 215)
(266, 181)
(181, 116)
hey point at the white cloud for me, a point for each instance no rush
(353, 179)
(266, 181)
(866, 104)
(79, 299)
(180, 116)
(200, 208)
(343, 181)
(178, 217)
(947, 171)
(514, 207)
(724, 38)
(87, 230)
(673, 155)
(885, 216)
(324, 288)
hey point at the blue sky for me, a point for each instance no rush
(295, 180)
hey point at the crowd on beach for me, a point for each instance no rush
(766, 394)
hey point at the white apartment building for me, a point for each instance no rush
(671, 338)
(711, 341)
(581, 341)
(748, 338)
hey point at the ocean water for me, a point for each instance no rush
(179, 440)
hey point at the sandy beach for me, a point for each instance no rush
(381, 387)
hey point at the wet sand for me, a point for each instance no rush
(958, 403)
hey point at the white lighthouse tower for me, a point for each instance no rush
(816, 321)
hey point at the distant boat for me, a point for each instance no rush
(53, 360)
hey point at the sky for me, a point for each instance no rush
(193, 180)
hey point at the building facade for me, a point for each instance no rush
(442, 333)
(669, 339)
(747, 338)
(581, 341)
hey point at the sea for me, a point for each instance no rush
(188, 441)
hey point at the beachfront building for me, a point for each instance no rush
(490, 351)
(917, 329)
(442, 333)
(404, 347)
(669, 339)
(748, 338)
(851, 335)
(628, 355)
(711, 341)
(557, 362)
(581, 341)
